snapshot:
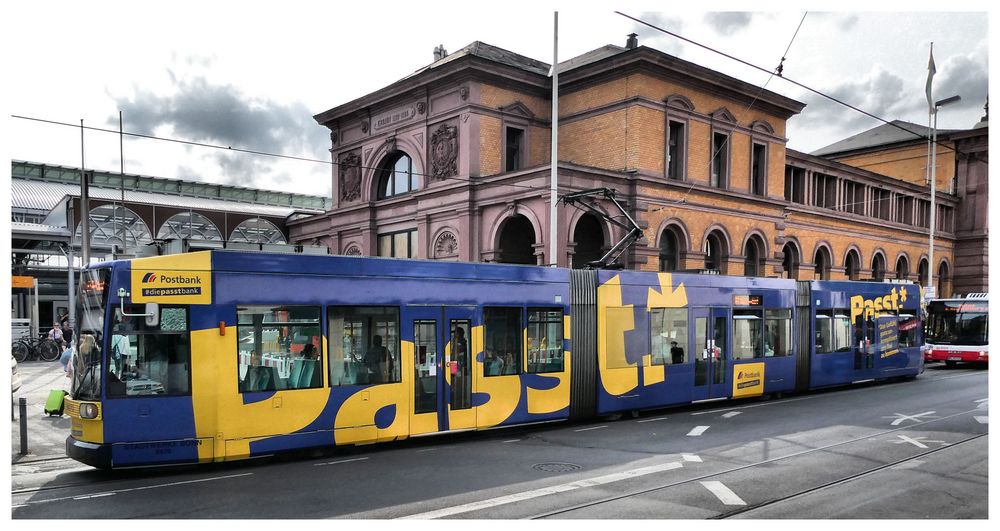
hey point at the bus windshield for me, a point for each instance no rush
(92, 300)
(957, 323)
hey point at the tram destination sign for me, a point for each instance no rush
(748, 300)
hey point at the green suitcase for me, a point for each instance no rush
(55, 402)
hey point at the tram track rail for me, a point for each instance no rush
(728, 514)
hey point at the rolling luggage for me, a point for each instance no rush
(54, 403)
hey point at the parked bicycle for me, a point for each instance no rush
(41, 347)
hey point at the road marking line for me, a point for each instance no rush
(342, 461)
(982, 420)
(652, 420)
(698, 431)
(722, 492)
(691, 457)
(512, 441)
(901, 417)
(100, 495)
(731, 414)
(593, 428)
(545, 491)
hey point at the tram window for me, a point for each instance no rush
(907, 330)
(545, 340)
(279, 348)
(841, 330)
(364, 345)
(747, 332)
(824, 331)
(777, 332)
(502, 327)
(668, 335)
(149, 360)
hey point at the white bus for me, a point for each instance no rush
(957, 329)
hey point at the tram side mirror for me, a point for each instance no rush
(152, 314)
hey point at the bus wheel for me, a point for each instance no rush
(951, 364)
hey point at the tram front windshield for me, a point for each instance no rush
(957, 323)
(91, 302)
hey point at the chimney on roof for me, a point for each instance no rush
(440, 52)
(632, 42)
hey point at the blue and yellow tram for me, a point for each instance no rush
(225, 355)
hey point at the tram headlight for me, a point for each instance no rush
(88, 411)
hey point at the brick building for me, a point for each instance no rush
(452, 162)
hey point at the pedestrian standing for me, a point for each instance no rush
(67, 334)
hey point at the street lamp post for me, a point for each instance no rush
(933, 179)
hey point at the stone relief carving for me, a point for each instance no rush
(421, 107)
(463, 92)
(444, 152)
(334, 137)
(446, 245)
(353, 250)
(364, 126)
(350, 176)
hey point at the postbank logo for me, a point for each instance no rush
(172, 280)
(870, 308)
(748, 380)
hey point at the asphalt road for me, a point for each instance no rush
(906, 450)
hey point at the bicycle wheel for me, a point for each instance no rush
(48, 350)
(20, 350)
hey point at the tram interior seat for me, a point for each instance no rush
(305, 376)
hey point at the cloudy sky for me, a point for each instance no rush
(250, 75)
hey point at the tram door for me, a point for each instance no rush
(443, 362)
(711, 352)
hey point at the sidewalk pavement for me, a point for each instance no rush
(46, 434)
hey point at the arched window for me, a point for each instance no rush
(109, 222)
(190, 225)
(852, 265)
(396, 175)
(878, 267)
(902, 268)
(257, 231)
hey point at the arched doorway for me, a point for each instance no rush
(902, 268)
(753, 257)
(589, 241)
(716, 252)
(943, 280)
(822, 261)
(922, 273)
(516, 242)
(852, 265)
(878, 267)
(672, 249)
(790, 263)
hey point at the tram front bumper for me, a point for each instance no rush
(93, 454)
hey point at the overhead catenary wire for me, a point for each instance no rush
(475, 182)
